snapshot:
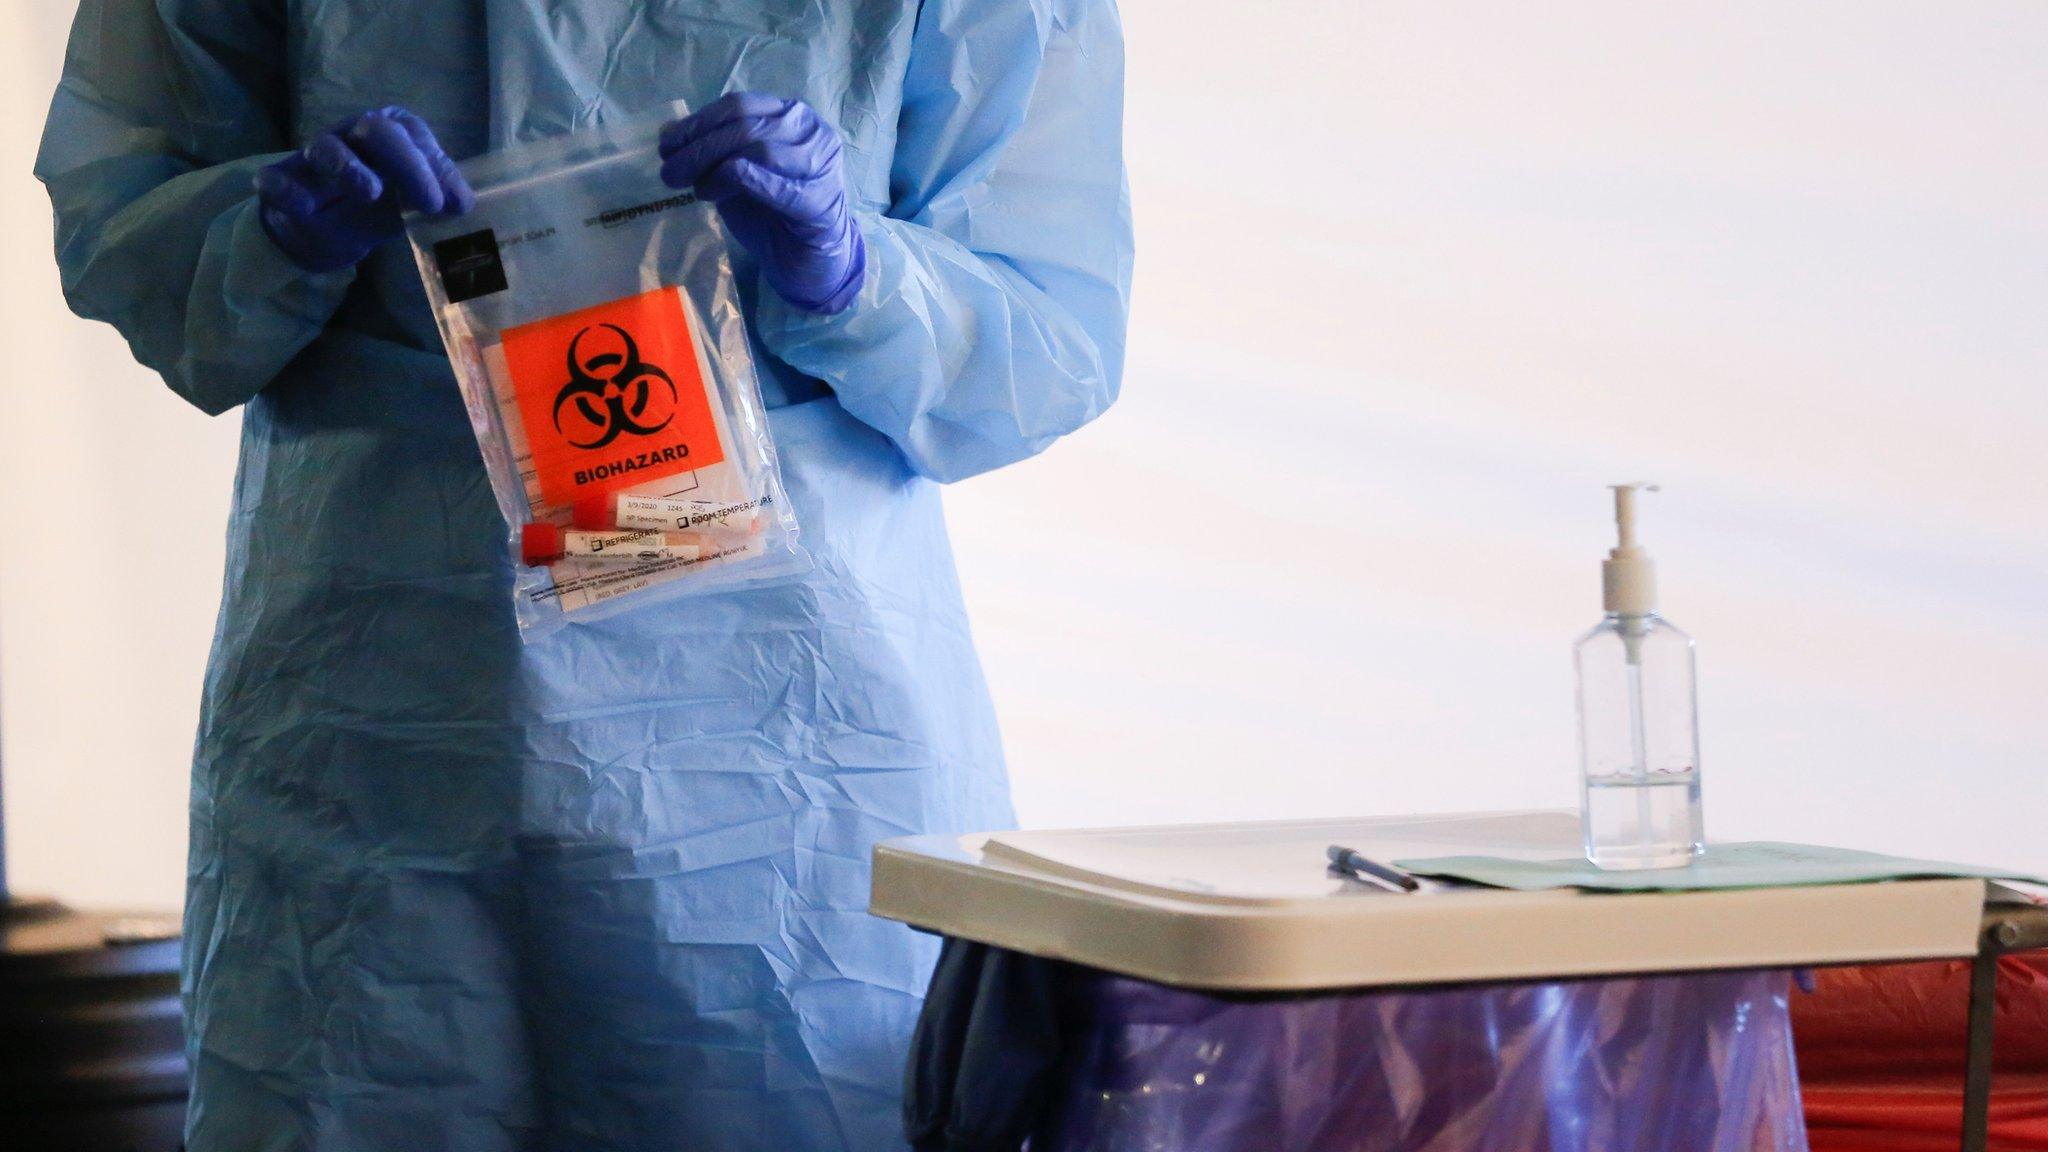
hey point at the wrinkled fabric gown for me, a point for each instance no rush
(605, 891)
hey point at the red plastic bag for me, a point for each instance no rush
(1882, 1048)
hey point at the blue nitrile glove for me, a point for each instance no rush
(328, 204)
(772, 167)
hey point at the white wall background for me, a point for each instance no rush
(1415, 281)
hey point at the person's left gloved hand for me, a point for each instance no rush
(773, 168)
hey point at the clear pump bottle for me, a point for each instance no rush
(1638, 718)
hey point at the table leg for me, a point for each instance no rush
(1977, 1071)
(2007, 928)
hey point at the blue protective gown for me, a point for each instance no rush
(606, 891)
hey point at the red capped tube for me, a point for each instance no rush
(594, 513)
(540, 543)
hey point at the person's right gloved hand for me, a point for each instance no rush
(333, 201)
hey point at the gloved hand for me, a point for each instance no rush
(772, 167)
(328, 204)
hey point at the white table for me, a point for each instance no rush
(1248, 907)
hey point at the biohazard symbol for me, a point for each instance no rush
(636, 405)
(611, 391)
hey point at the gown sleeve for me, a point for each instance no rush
(165, 112)
(992, 319)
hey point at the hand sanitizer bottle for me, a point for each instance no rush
(1639, 742)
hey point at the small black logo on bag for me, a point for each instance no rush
(470, 266)
(611, 391)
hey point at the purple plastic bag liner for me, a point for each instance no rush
(1683, 1063)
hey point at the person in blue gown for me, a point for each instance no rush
(607, 890)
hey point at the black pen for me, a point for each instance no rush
(1346, 860)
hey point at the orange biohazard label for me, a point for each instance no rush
(612, 396)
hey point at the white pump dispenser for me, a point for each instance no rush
(1628, 577)
(1638, 716)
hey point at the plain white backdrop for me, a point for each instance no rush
(1414, 282)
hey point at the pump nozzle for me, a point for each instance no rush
(1628, 577)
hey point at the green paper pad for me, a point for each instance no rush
(1759, 864)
